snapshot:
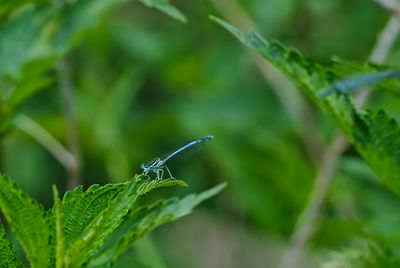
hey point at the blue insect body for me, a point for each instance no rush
(158, 165)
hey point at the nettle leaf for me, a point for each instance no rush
(142, 220)
(88, 218)
(166, 7)
(75, 229)
(32, 225)
(374, 134)
(8, 257)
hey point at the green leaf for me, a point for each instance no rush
(89, 217)
(347, 84)
(166, 7)
(33, 79)
(140, 221)
(37, 35)
(7, 254)
(374, 134)
(33, 227)
(23, 39)
(81, 209)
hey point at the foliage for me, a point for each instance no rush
(36, 36)
(373, 133)
(75, 229)
(143, 84)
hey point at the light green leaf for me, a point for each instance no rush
(140, 221)
(89, 217)
(33, 227)
(166, 7)
(374, 134)
(7, 254)
(80, 209)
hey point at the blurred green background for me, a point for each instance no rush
(144, 84)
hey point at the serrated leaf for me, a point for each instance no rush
(140, 221)
(8, 257)
(374, 134)
(33, 227)
(82, 209)
(89, 217)
(166, 7)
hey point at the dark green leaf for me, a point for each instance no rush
(7, 254)
(166, 7)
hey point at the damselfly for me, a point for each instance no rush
(158, 165)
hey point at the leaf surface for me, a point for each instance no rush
(141, 221)
(88, 218)
(32, 225)
(8, 257)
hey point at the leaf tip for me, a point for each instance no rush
(55, 193)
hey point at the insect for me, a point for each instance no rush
(158, 165)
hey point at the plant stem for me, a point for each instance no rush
(43, 137)
(70, 119)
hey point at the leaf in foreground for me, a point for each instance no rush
(32, 225)
(140, 221)
(90, 217)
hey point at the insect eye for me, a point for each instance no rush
(142, 166)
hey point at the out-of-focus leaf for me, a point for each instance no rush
(33, 80)
(360, 256)
(21, 39)
(166, 7)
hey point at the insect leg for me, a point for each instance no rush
(169, 172)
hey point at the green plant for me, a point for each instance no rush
(87, 228)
